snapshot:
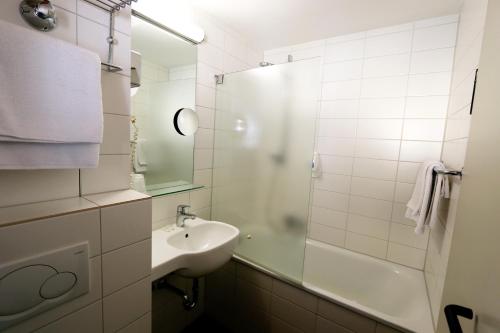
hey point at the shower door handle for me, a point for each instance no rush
(452, 311)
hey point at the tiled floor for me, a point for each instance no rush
(205, 324)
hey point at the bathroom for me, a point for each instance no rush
(249, 166)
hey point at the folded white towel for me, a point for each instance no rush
(21, 155)
(50, 90)
(423, 204)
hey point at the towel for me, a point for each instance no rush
(50, 93)
(423, 205)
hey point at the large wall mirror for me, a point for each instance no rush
(163, 82)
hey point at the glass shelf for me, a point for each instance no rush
(169, 188)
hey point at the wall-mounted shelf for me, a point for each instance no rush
(112, 7)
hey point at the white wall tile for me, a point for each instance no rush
(407, 172)
(403, 192)
(423, 129)
(368, 226)
(51, 233)
(393, 65)
(331, 200)
(328, 217)
(406, 235)
(112, 174)
(335, 146)
(341, 90)
(166, 206)
(125, 224)
(308, 53)
(419, 151)
(426, 107)
(332, 182)
(339, 71)
(368, 245)
(205, 96)
(378, 169)
(394, 43)
(203, 159)
(379, 209)
(56, 184)
(346, 38)
(440, 60)
(435, 37)
(338, 128)
(200, 198)
(384, 87)
(382, 108)
(88, 319)
(340, 165)
(344, 51)
(116, 134)
(125, 266)
(380, 129)
(119, 310)
(379, 149)
(398, 215)
(373, 188)
(326, 234)
(210, 55)
(429, 84)
(346, 108)
(405, 255)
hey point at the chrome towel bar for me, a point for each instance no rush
(449, 172)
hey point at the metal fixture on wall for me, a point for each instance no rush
(40, 14)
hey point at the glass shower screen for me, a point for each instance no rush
(264, 141)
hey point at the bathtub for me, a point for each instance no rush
(385, 291)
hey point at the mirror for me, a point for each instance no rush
(186, 122)
(163, 82)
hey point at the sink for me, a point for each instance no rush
(198, 248)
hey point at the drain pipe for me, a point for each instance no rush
(189, 302)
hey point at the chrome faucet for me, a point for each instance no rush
(183, 215)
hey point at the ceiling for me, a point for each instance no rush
(159, 46)
(275, 23)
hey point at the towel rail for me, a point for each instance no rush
(449, 172)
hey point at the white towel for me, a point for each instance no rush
(50, 92)
(428, 190)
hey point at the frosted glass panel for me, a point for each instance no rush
(264, 139)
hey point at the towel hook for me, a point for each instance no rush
(40, 14)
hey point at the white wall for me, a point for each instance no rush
(383, 109)
(87, 26)
(468, 49)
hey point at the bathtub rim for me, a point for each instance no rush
(325, 296)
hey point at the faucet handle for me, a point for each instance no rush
(182, 209)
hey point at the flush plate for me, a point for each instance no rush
(36, 284)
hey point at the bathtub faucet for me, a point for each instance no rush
(183, 215)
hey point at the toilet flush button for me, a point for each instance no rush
(19, 289)
(58, 285)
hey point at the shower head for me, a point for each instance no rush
(265, 64)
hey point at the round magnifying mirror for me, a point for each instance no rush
(186, 121)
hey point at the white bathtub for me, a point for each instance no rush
(389, 292)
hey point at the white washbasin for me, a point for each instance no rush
(194, 250)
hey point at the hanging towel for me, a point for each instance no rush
(423, 204)
(50, 93)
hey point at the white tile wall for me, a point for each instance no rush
(112, 274)
(468, 50)
(383, 111)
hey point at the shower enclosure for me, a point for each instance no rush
(264, 144)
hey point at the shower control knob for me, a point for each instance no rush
(40, 14)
